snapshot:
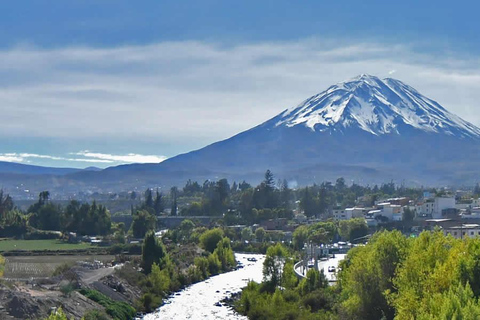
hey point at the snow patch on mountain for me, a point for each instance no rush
(375, 106)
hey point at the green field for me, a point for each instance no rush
(32, 245)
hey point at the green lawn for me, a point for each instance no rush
(30, 245)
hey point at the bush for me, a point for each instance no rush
(210, 238)
(95, 315)
(115, 309)
(149, 302)
(67, 289)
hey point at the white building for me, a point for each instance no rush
(440, 204)
(388, 210)
(342, 214)
(463, 231)
(434, 207)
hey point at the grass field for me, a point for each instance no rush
(31, 245)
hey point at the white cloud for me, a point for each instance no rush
(10, 157)
(194, 93)
(128, 158)
(86, 156)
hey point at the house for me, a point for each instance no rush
(390, 211)
(462, 231)
(441, 204)
(356, 212)
(341, 214)
(436, 207)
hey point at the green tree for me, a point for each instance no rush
(300, 236)
(225, 254)
(6, 204)
(272, 266)
(308, 203)
(260, 234)
(353, 229)
(159, 279)
(186, 227)
(153, 251)
(210, 238)
(173, 196)
(408, 215)
(202, 264)
(148, 199)
(313, 281)
(368, 277)
(247, 234)
(158, 204)
(143, 222)
(57, 315)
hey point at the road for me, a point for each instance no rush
(90, 276)
(333, 262)
(331, 276)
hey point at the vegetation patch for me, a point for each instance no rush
(115, 309)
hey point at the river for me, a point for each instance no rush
(198, 300)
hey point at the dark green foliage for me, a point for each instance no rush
(47, 216)
(95, 315)
(115, 309)
(84, 219)
(143, 222)
(314, 280)
(353, 229)
(153, 251)
(319, 300)
(148, 198)
(173, 196)
(158, 203)
(6, 204)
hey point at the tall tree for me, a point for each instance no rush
(143, 222)
(148, 198)
(173, 196)
(153, 251)
(6, 204)
(269, 180)
(158, 204)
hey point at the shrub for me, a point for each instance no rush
(115, 309)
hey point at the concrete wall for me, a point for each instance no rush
(174, 221)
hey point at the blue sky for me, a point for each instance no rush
(107, 82)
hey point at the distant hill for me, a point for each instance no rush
(19, 168)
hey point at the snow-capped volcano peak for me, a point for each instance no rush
(377, 106)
